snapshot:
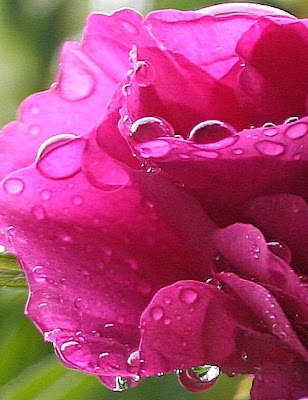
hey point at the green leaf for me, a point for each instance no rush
(10, 273)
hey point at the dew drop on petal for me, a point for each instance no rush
(14, 185)
(75, 353)
(149, 128)
(269, 148)
(210, 131)
(145, 73)
(60, 156)
(290, 120)
(77, 200)
(157, 313)
(199, 379)
(45, 195)
(133, 361)
(238, 152)
(121, 384)
(297, 131)
(188, 296)
(281, 250)
(155, 149)
(39, 274)
(268, 125)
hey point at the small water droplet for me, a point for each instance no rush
(14, 185)
(81, 304)
(297, 131)
(167, 321)
(126, 90)
(167, 301)
(38, 212)
(157, 313)
(121, 384)
(145, 73)
(75, 353)
(188, 296)
(238, 152)
(45, 195)
(270, 131)
(148, 128)
(66, 238)
(156, 149)
(39, 274)
(290, 120)
(280, 249)
(268, 125)
(77, 200)
(34, 130)
(34, 109)
(210, 131)
(133, 361)
(268, 148)
(244, 355)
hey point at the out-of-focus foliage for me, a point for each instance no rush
(30, 35)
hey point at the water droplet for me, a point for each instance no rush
(38, 212)
(167, 301)
(75, 353)
(156, 149)
(238, 152)
(167, 321)
(60, 157)
(126, 90)
(133, 361)
(66, 238)
(297, 156)
(199, 379)
(149, 128)
(270, 131)
(121, 384)
(280, 249)
(81, 303)
(268, 125)
(14, 185)
(144, 287)
(77, 200)
(34, 109)
(45, 195)
(34, 130)
(297, 131)
(160, 374)
(268, 148)
(210, 131)
(39, 274)
(188, 296)
(244, 355)
(157, 313)
(145, 73)
(290, 120)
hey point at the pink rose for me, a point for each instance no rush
(161, 225)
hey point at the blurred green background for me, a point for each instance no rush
(31, 32)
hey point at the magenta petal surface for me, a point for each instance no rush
(281, 382)
(97, 256)
(268, 93)
(284, 216)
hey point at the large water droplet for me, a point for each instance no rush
(269, 148)
(199, 379)
(210, 131)
(148, 128)
(14, 185)
(157, 313)
(280, 249)
(145, 73)
(290, 120)
(297, 131)
(188, 296)
(60, 156)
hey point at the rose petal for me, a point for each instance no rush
(281, 382)
(249, 164)
(94, 257)
(206, 41)
(283, 217)
(268, 93)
